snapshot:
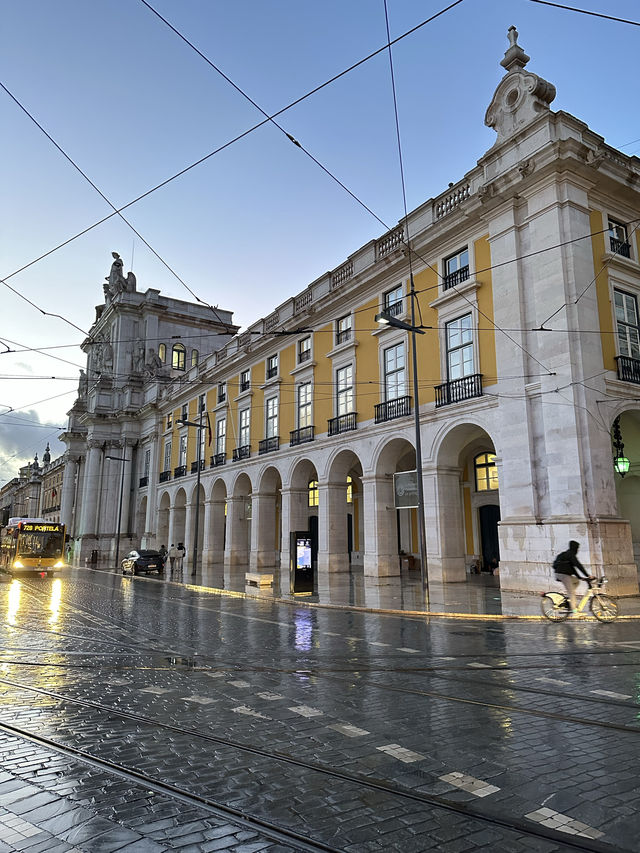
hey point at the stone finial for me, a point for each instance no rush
(515, 58)
(47, 455)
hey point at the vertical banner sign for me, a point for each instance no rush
(405, 490)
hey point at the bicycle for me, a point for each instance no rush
(557, 607)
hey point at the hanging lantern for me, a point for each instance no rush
(620, 461)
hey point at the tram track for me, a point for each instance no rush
(470, 811)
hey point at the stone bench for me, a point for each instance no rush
(258, 579)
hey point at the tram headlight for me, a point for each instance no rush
(59, 564)
(17, 564)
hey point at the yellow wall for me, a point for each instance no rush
(605, 313)
(287, 413)
(427, 284)
(367, 391)
(323, 390)
(486, 339)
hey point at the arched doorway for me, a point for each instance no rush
(177, 533)
(266, 521)
(397, 530)
(340, 529)
(162, 536)
(627, 486)
(300, 509)
(217, 522)
(239, 512)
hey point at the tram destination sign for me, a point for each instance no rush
(405, 490)
(40, 527)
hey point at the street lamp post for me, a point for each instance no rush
(199, 426)
(122, 459)
(385, 318)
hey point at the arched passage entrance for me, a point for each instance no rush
(216, 524)
(628, 486)
(266, 521)
(141, 517)
(395, 532)
(177, 532)
(164, 506)
(239, 513)
(191, 537)
(299, 507)
(464, 511)
(341, 540)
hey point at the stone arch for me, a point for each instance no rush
(177, 531)
(462, 519)
(197, 496)
(215, 524)
(627, 487)
(239, 511)
(296, 512)
(341, 513)
(266, 520)
(164, 510)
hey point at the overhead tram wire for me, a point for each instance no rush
(586, 12)
(112, 206)
(230, 142)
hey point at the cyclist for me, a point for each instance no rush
(570, 571)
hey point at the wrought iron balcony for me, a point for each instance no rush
(180, 471)
(620, 247)
(452, 279)
(397, 408)
(194, 466)
(304, 355)
(243, 452)
(267, 445)
(222, 396)
(218, 459)
(245, 385)
(302, 435)
(164, 476)
(628, 369)
(272, 372)
(394, 309)
(343, 423)
(343, 336)
(459, 389)
(144, 481)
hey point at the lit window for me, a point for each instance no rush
(627, 324)
(459, 348)
(194, 357)
(178, 357)
(169, 420)
(313, 493)
(162, 353)
(349, 490)
(486, 472)
(394, 373)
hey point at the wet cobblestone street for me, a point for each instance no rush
(141, 715)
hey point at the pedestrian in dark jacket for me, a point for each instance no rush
(163, 555)
(570, 571)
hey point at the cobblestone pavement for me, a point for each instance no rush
(357, 731)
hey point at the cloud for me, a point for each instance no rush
(22, 435)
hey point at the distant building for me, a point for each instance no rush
(527, 273)
(51, 486)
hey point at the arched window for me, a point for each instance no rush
(178, 357)
(486, 472)
(194, 357)
(162, 353)
(313, 493)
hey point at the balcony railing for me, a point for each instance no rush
(194, 466)
(393, 409)
(164, 476)
(180, 471)
(628, 369)
(301, 436)
(620, 247)
(459, 389)
(245, 385)
(343, 336)
(343, 423)
(218, 459)
(394, 309)
(144, 481)
(268, 445)
(304, 355)
(222, 396)
(452, 279)
(243, 452)
(272, 372)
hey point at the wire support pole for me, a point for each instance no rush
(422, 529)
(194, 568)
(120, 513)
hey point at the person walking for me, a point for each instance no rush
(173, 556)
(570, 571)
(181, 554)
(163, 555)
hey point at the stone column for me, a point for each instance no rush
(151, 519)
(206, 509)
(381, 557)
(218, 524)
(171, 538)
(263, 531)
(333, 554)
(127, 453)
(68, 492)
(236, 550)
(91, 489)
(189, 518)
(447, 560)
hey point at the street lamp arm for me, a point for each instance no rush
(385, 319)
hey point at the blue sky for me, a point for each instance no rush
(133, 104)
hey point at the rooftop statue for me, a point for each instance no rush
(116, 282)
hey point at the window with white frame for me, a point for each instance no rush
(619, 238)
(162, 353)
(304, 405)
(456, 269)
(394, 373)
(221, 435)
(222, 392)
(184, 415)
(460, 361)
(393, 301)
(169, 420)
(272, 417)
(272, 366)
(182, 452)
(344, 390)
(167, 455)
(343, 329)
(194, 357)
(626, 306)
(245, 424)
(304, 350)
(147, 462)
(486, 472)
(202, 403)
(201, 439)
(245, 380)
(178, 357)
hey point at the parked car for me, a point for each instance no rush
(143, 560)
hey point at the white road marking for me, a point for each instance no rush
(216, 674)
(612, 694)
(349, 731)
(553, 680)
(305, 711)
(158, 690)
(478, 665)
(379, 644)
(401, 753)
(249, 712)
(410, 651)
(270, 697)
(200, 700)
(239, 683)
(563, 823)
(477, 787)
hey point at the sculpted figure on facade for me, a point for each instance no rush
(138, 359)
(83, 385)
(154, 363)
(116, 281)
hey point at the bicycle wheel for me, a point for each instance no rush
(555, 606)
(603, 607)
